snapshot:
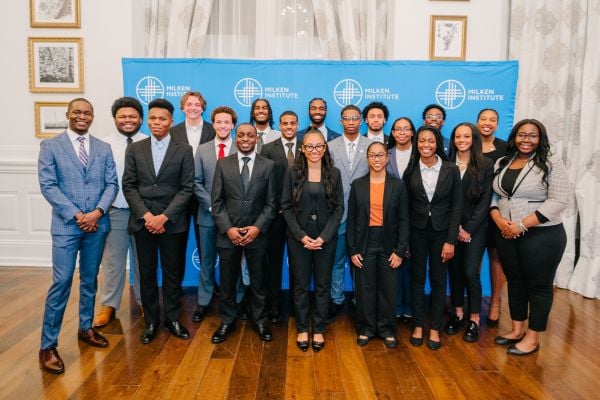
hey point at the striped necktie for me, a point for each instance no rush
(83, 155)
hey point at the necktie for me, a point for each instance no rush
(83, 155)
(351, 154)
(129, 141)
(221, 151)
(290, 154)
(245, 173)
(260, 142)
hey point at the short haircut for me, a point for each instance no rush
(376, 104)
(224, 110)
(161, 103)
(78, 99)
(431, 106)
(288, 112)
(317, 99)
(245, 124)
(130, 102)
(349, 107)
(186, 95)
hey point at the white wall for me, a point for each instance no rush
(112, 29)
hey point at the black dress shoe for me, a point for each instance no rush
(302, 345)
(242, 312)
(177, 330)
(222, 332)
(416, 341)
(472, 332)
(362, 341)
(199, 313)
(264, 333)
(434, 344)
(274, 316)
(149, 333)
(454, 325)
(334, 310)
(317, 346)
(390, 343)
(503, 341)
(513, 351)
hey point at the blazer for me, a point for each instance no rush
(475, 215)
(386, 138)
(331, 134)
(392, 165)
(337, 150)
(278, 153)
(179, 133)
(70, 187)
(531, 194)
(167, 192)
(269, 135)
(328, 220)
(445, 206)
(205, 164)
(395, 216)
(231, 207)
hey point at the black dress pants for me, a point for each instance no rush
(276, 235)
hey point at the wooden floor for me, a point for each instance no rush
(567, 367)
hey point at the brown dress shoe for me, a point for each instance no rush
(51, 362)
(104, 316)
(93, 338)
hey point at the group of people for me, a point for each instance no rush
(398, 207)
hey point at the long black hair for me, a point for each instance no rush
(540, 158)
(253, 120)
(301, 173)
(413, 163)
(476, 164)
(392, 139)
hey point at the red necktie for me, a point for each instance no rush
(221, 151)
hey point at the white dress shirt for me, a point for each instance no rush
(118, 145)
(430, 176)
(376, 137)
(159, 149)
(74, 138)
(227, 147)
(250, 163)
(194, 134)
(402, 159)
(347, 142)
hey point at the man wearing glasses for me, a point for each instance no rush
(317, 112)
(435, 115)
(349, 155)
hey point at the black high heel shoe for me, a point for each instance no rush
(317, 346)
(302, 344)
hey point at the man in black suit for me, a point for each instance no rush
(158, 182)
(375, 115)
(317, 112)
(243, 207)
(283, 152)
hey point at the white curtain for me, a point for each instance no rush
(559, 84)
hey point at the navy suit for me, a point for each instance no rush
(70, 187)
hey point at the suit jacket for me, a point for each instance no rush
(392, 165)
(269, 135)
(475, 215)
(360, 167)
(179, 133)
(231, 207)
(386, 138)
(395, 216)
(70, 187)
(167, 192)
(328, 220)
(205, 164)
(278, 153)
(445, 206)
(331, 134)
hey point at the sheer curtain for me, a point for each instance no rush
(559, 84)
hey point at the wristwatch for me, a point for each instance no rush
(100, 209)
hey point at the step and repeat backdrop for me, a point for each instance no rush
(405, 87)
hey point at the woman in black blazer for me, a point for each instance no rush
(435, 212)
(377, 238)
(313, 203)
(476, 172)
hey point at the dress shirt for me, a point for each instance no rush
(402, 159)
(118, 145)
(193, 134)
(323, 130)
(250, 163)
(430, 176)
(376, 138)
(159, 148)
(285, 148)
(355, 149)
(74, 138)
(227, 147)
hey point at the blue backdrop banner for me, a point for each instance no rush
(406, 87)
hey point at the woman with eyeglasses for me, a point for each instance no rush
(313, 204)
(435, 194)
(377, 238)
(476, 174)
(399, 150)
(493, 148)
(531, 190)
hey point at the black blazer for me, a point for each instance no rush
(395, 216)
(278, 153)
(179, 133)
(166, 193)
(445, 206)
(474, 215)
(328, 220)
(331, 134)
(231, 207)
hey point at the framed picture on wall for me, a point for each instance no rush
(54, 14)
(50, 118)
(448, 37)
(56, 65)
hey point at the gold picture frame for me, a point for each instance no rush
(55, 65)
(50, 118)
(54, 13)
(448, 37)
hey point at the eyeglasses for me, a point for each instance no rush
(530, 136)
(405, 130)
(434, 117)
(353, 118)
(310, 148)
(376, 156)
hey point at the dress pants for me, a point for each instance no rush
(529, 263)
(403, 303)
(276, 235)
(171, 249)
(338, 272)
(464, 271)
(376, 284)
(305, 264)
(119, 243)
(426, 245)
(65, 248)
(230, 261)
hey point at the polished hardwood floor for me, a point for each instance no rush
(567, 366)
